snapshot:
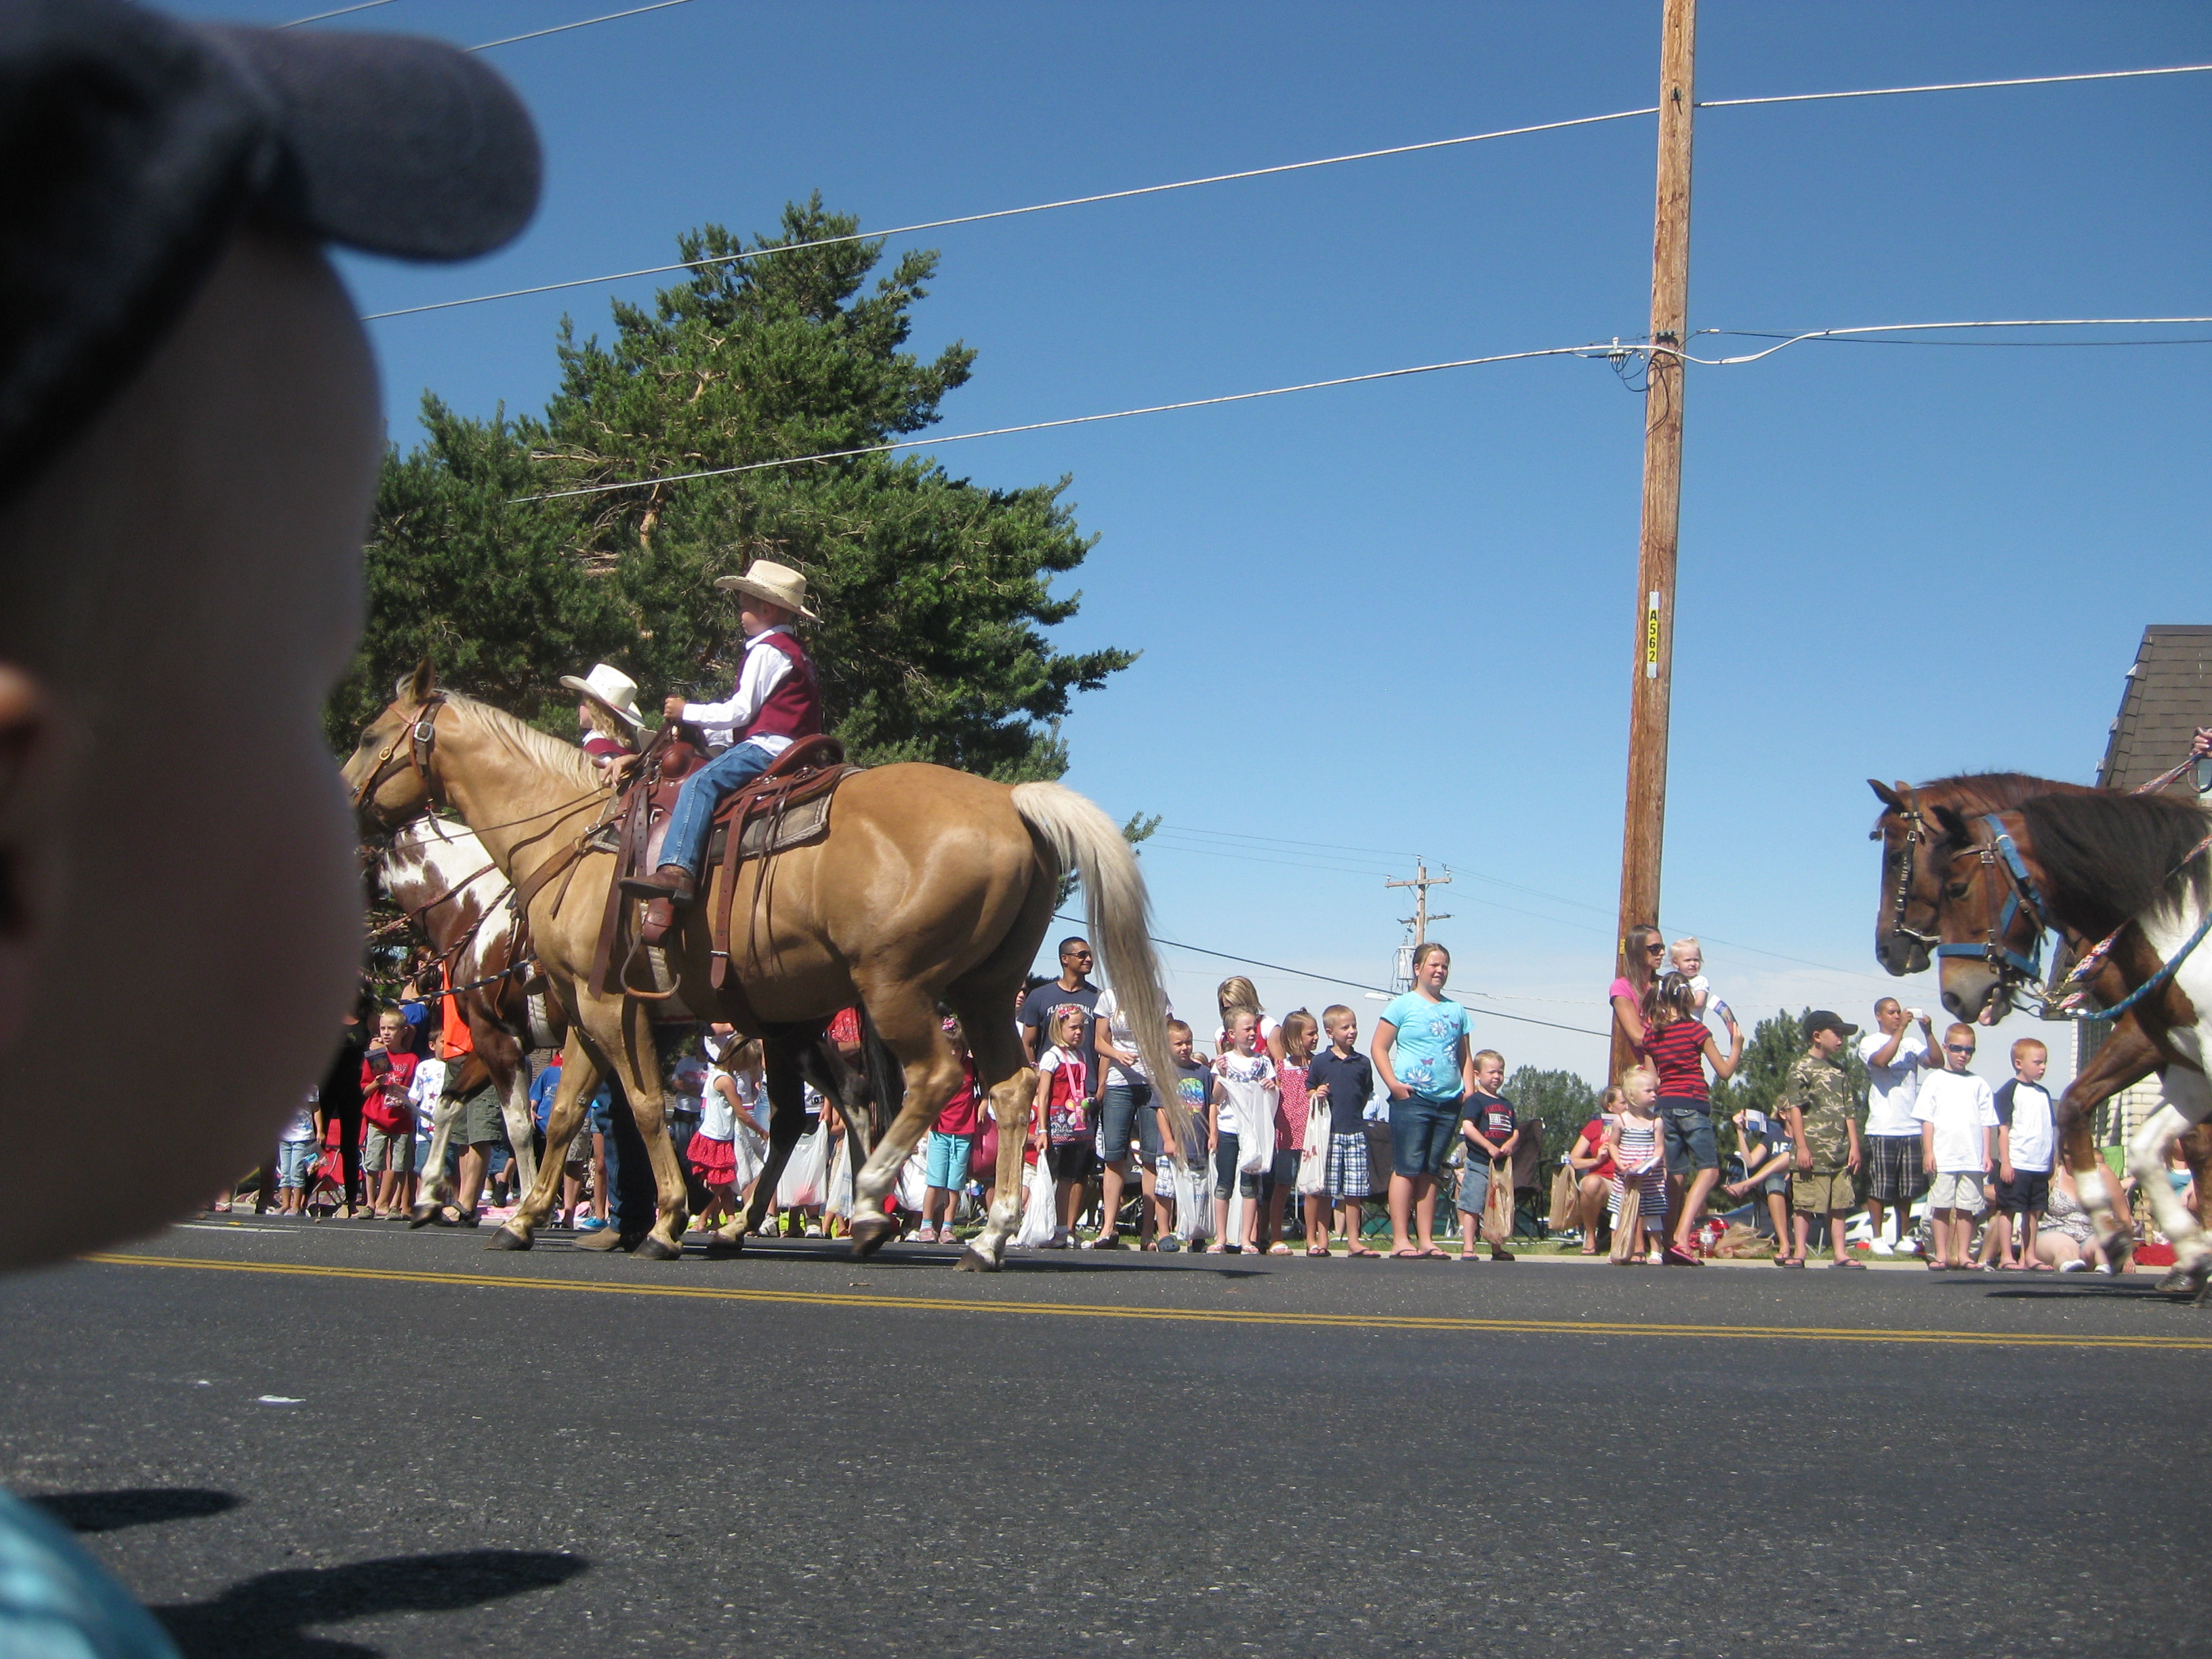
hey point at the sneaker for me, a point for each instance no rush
(2104, 1268)
(592, 1224)
(1882, 1247)
(2074, 1267)
(814, 1229)
(1908, 1247)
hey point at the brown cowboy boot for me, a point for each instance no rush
(671, 882)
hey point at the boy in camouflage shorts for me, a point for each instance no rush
(1817, 1104)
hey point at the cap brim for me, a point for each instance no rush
(390, 143)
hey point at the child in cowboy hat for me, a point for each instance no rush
(774, 703)
(608, 716)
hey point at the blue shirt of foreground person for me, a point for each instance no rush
(189, 438)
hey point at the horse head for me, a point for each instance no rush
(1905, 925)
(388, 775)
(1990, 922)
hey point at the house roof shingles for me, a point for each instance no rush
(2168, 695)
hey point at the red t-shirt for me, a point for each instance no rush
(1678, 1054)
(1593, 1139)
(845, 1030)
(384, 1099)
(961, 1112)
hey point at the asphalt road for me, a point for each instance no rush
(401, 1444)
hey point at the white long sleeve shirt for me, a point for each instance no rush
(765, 670)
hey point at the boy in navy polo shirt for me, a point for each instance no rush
(1342, 1079)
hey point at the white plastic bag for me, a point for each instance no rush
(839, 1198)
(914, 1179)
(1193, 1202)
(805, 1173)
(1313, 1162)
(1255, 1143)
(1038, 1222)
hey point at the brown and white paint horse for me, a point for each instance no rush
(438, 873)
(933, 888)
(2096, 865)
(1906, 930)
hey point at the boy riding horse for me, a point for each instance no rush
(775, 702)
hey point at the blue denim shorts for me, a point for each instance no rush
(1421, 1134)
(1686, 1125)
(948, 1160)
(292, 1159)
(1126, 1111)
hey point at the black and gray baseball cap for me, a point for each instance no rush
(132, 145)
(1825, 1019)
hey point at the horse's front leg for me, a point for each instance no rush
(436, 1192)
(637, 1066)
(1011, 1103)
(580, 1078)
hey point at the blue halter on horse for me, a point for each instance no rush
(1995, 949)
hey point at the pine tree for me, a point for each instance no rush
(933, 593)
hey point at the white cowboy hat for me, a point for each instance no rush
(779, 584)
(611, 690)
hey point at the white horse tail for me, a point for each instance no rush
(1084, 840)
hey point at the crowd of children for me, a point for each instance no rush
(1289, 1130)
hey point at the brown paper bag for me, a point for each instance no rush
(1497, 1207)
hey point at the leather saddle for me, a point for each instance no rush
(786, 806)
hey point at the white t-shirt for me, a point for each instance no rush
(302, 1125)
(1243, 1091)
(1959, 1105)
(422, 1093)
(1891, 1089)
(2027, 1109)
(689, 1079)
(717, 1119)
(1119, 1034)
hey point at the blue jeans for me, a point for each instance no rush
(686, 840)
(1421, 1133)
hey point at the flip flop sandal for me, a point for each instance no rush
(1321, 1253)
(1406, 1255)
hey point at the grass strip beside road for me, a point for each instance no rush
(1224, 1316)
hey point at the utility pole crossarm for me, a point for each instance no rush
(1419, 920)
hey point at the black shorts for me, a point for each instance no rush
(2028, 1189)
(1071, 1160)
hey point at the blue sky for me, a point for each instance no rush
(1397, 619)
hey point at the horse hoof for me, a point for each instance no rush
(871, 1233)
(422, 1216)
(507, 1239)
(973, 1261)
(722, 1249)
(654, 1248)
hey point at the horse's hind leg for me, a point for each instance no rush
(906, 1020)
(1005, 1072)
(2192, 1256)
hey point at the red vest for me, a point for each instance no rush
(793, 710)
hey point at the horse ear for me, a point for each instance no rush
(1953, 825)
(418, 686)
(1887, 796)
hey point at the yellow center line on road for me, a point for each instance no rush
(1221, 1316)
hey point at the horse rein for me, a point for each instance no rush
(1916, 832)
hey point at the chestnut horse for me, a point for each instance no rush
(933, 889)
(438, 873)
(2130, 866)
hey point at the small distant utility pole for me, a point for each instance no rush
(1419, 920)
(1651, 688)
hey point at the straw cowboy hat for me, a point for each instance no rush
(779, 584)
(612, 690)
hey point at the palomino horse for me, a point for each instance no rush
(2131, 868)
(440, 875)
(933, 888)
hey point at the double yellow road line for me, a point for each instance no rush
(1378, 1321)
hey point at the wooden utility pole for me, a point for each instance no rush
(1419, 920)
(1644, 824)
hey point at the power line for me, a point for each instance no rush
(361, 5)
(1220, 178)
(1617, 349)
(1072, 420)
(581, 23)
(1956, 86)
(1331, 979)
(1987, 346)
(1004, 213)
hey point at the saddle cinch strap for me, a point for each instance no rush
(757, 822)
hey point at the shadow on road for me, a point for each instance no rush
(266, 1616)
(134, 1506)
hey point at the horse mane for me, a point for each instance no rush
(565, 760)
(1991, 792)
(2113, 854)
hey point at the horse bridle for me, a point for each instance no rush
(1999, 853)
(1916, 832)
(410, 746)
